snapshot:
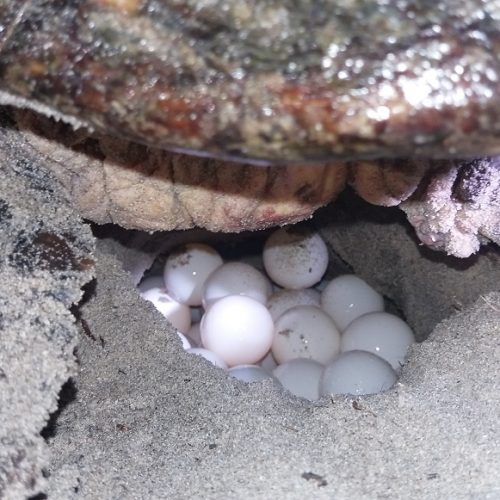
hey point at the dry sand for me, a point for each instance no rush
(149, 421)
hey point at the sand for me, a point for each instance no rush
(149, 421)
(140, 418)
(45, 259)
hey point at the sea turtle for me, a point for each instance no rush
(281, 83)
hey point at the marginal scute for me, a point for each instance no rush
(387, 182)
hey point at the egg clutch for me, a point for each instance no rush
(277, 317)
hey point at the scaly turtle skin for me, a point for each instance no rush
(264, 80)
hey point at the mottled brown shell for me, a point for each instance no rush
(263, 80)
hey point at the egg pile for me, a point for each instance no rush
(272, 322)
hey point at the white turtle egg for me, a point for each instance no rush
(347, 297)
(177, 314)
(294, 258)
(382, 334)
(305, 332)
(185, 342)
(283, 300)
(357, 373)
(248, 373)
(187, 269)
(209, 356)
(301, 377)
(237, 328)
(151, 282)
(236, 278)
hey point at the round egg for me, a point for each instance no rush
(347, 297)
(236, 278)
(248, 373)
(295, 258)
(305, 332)
(283, 300)
(177, 314)
(209, 356)
(357, 373)
(237, 328)
(301, 377)
(381, 333)
(187, 269)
